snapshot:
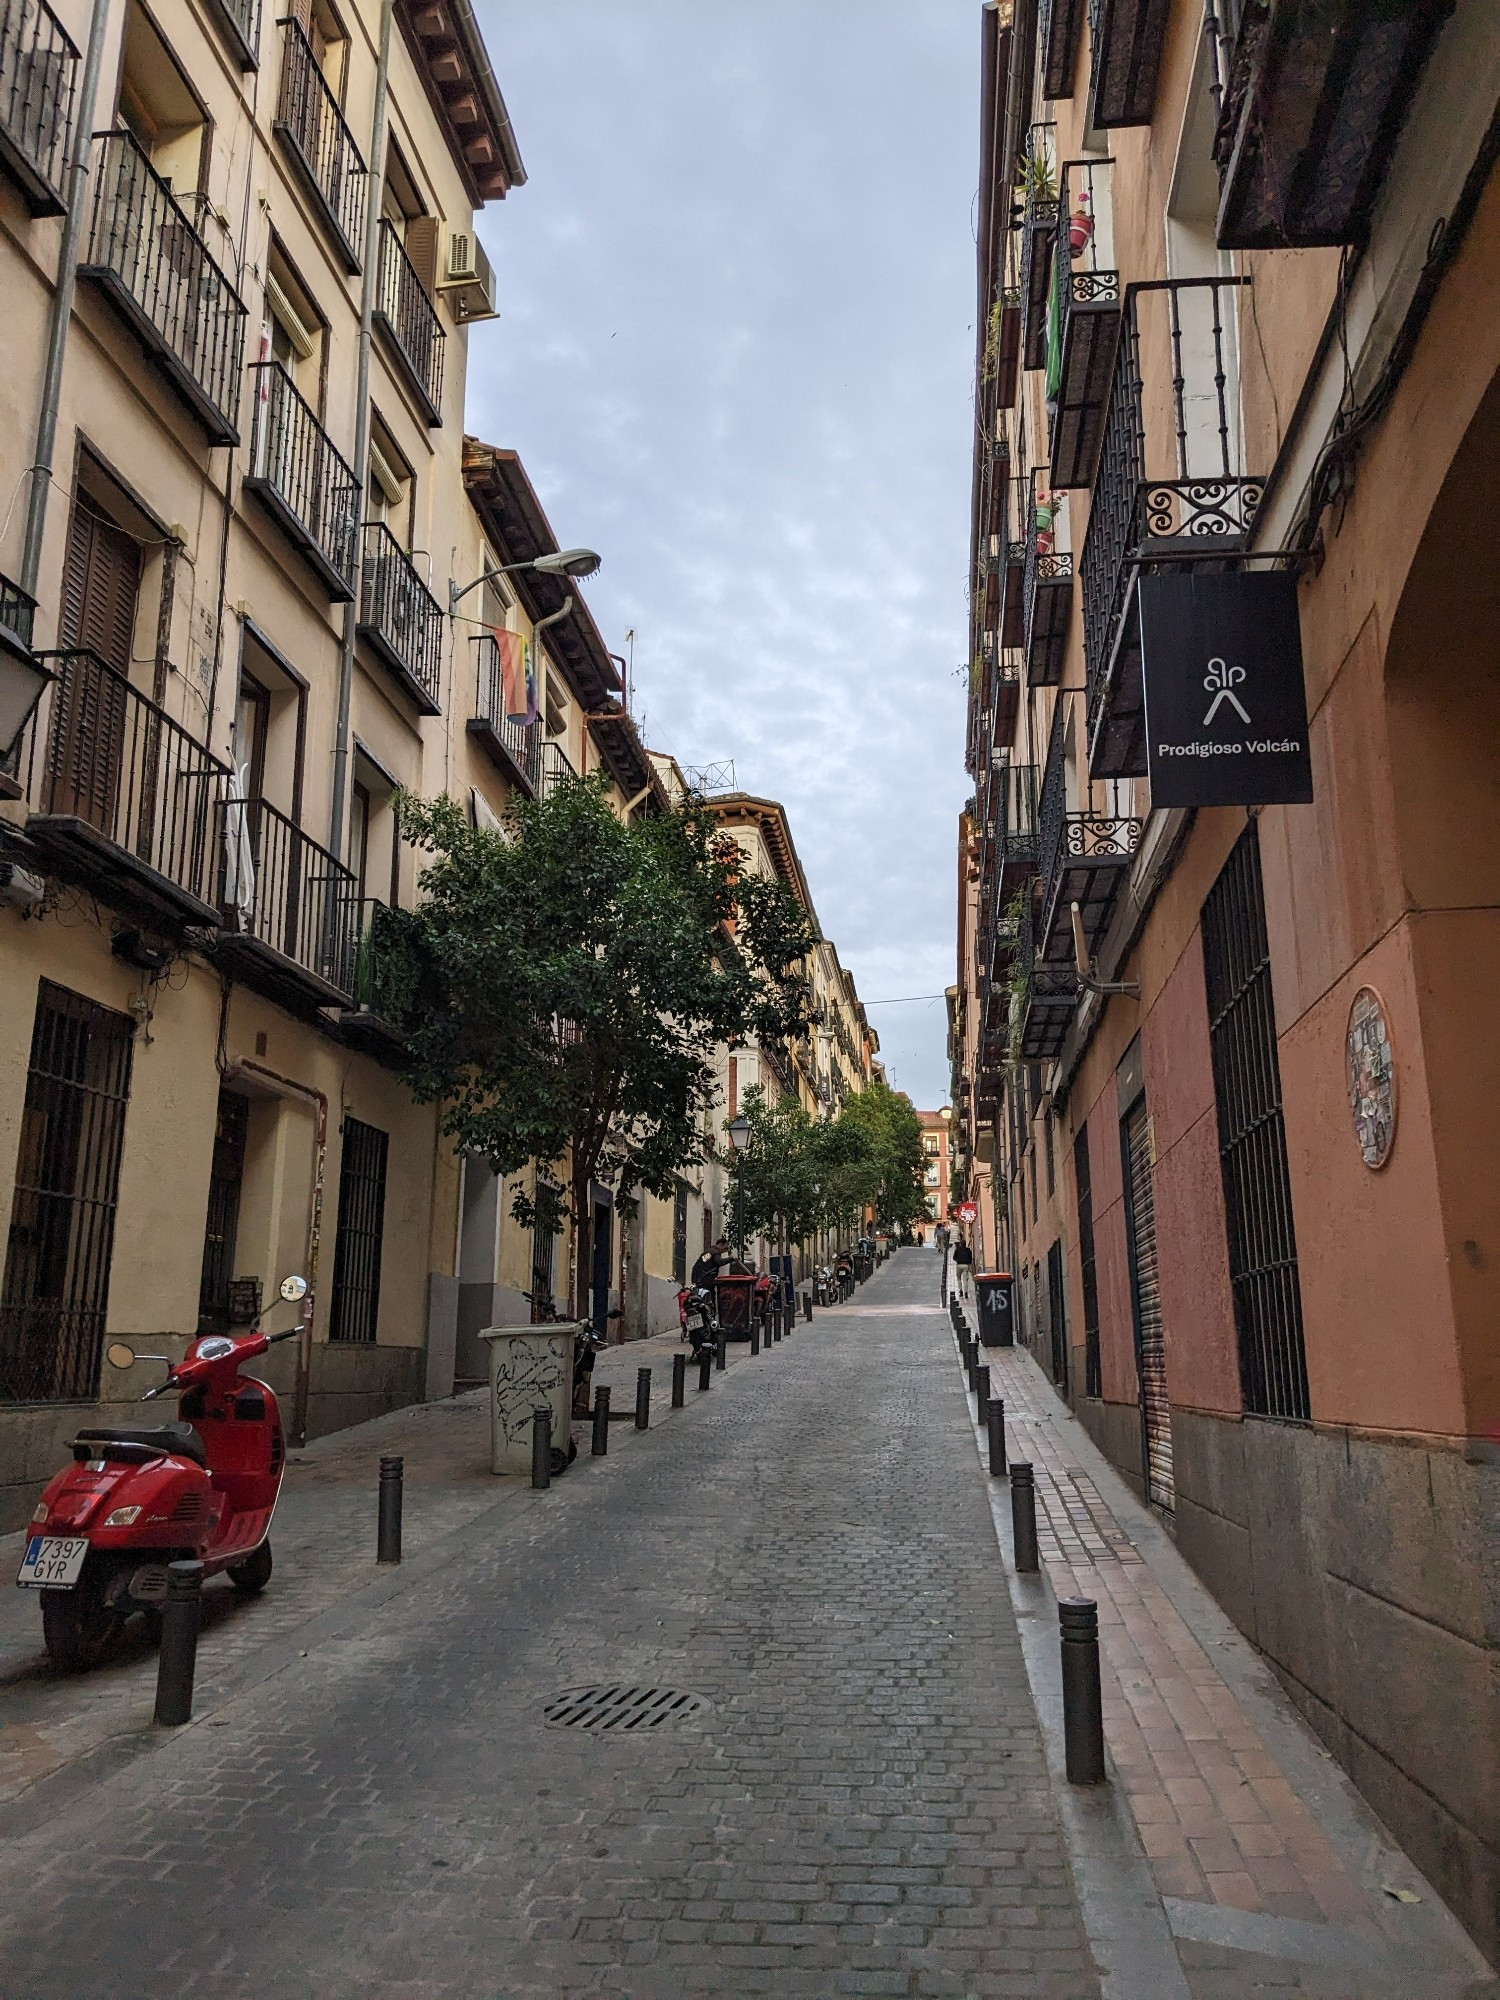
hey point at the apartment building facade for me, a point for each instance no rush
(937, 1161)
(1220, 1033)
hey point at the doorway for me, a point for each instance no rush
(226, 1179)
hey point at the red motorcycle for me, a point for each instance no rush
(140, 1496)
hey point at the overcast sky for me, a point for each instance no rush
(735, 352)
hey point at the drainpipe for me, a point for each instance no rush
(361, 424)
(287, 1086)
(62, 301)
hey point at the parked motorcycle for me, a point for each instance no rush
(138, 1496)
(699, 1318)
(825, 1286)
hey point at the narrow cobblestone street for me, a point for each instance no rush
(860, 1806)
(372, 1800)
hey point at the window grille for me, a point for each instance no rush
(356, 1263)
(1252, 1140)
(1057, 1315)
(1092, 1370)
(62, 1228)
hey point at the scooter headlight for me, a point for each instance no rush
(121, 1517)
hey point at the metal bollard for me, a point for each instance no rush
(1083, 1706)
(721, 1351)
(388, 1528)
(178, 1658)
(541, 1448)
(679, 1380)
(643, 1399)
(1023, 1516)
(705, 1368)
(996, 1424)
(755, 1335)
(599, 1444)
(807, 1306)
(982, 1391)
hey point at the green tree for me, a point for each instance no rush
(565, 982)
(894, 1134)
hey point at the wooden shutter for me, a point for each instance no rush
(422, 249)
(101, 579)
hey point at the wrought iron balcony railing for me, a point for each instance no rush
(555, 768)
(400, 619)
(1047, 583)
(122, 797)
(1057, 41)
(1045, 998)
(38, 72)
(302, 480)
(1084, 851)
(516, 747)
(1312, 98)
(1171, 486)
(145, 253)
(381, 992)
(408, 319)
(17, 614)
(1127, 38)
(239, 24)
(1038, 230)
(1085, 323)
(320, 145)
(288, 909)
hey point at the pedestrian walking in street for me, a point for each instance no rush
(963, 1263)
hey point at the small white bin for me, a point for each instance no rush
(529, 1366)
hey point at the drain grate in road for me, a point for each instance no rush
(616, 1707)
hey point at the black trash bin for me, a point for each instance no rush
(995, 1293)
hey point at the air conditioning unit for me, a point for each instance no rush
(470, 283)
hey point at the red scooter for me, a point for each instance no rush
(138, 1497)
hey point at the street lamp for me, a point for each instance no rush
(21, 682)
(739, 1139)
(561, 562)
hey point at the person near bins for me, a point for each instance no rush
(710, 1266)
(963, 1263)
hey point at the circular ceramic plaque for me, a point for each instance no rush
(1370, 1066)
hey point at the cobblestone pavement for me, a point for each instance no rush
(371, 1800)
(1273, 1874)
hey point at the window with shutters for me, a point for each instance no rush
(101, 585)
(361, 1230)
(1262, 1239)
(1057, 1316)
(86, 746)
(62, 1225)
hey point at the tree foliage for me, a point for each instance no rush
(567, 978)
(804, 1174)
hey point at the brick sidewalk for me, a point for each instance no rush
(1213, 1761)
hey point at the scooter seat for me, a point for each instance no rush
(181, 1440)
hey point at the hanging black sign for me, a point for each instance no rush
(1226, 716)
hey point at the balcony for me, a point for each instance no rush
(400, 620)
(555, 769)
(239, 23)
(514, 747)
(1057, 45)
(1038, 170)
(38, 72)
(1047, 584)
(287, 909)
(123, 800)
(1085, 325)
(1127, 38)
(380, 995)
(145, 254)
(1171, 489)
(320, 146)
(1312, 98)
(301, 480)
(408, 320)
(1002, 347)
(1046, 999)
(1085, 846)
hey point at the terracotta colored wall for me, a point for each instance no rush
(1196, 1303)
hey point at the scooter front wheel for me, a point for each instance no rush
(251, 1576)
(78, 1626)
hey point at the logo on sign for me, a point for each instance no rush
(1221, 682)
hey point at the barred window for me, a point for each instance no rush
(1083, 1177)
(361, 1234)
(1252, 1140)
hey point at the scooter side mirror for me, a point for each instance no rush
(293, 1290)
(119, 1354)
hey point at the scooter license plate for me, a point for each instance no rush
(695, 1322)
(53, 1562)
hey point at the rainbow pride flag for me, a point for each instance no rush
(517, 676)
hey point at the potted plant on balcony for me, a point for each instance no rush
(1036, 177)
(1081, 225)
(1045, 516)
